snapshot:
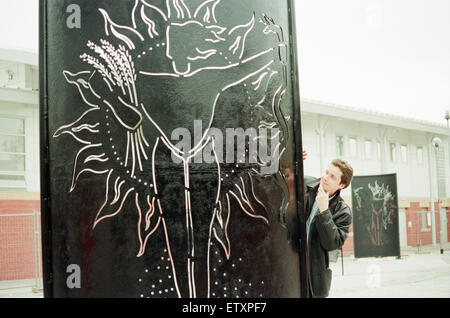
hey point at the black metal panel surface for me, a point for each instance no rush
(170, 158)
(375, 215)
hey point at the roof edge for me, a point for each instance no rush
(359, 114)
(19, 56)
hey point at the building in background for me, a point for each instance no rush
(19, 164)
(376, 143)
(373, 143)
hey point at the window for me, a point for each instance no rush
(368, 149)
(339, 146)
(392, 151)
(426, 218)
(404, 153)
(419, 154)
(378, 150)
(12, 152)
(352, 146)
(318, 143)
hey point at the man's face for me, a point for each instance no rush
(331, 180)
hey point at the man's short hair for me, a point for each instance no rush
(346, 169)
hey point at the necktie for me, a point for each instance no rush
(314, 211)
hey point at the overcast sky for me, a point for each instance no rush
(19, 24)
(391, 56)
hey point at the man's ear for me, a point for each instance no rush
(342, 186)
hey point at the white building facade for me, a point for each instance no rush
(19, 165)
(375, 143)
(19, 122)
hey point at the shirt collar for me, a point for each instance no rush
(333, 196)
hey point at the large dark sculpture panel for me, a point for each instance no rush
(375, 215)
(171, 149)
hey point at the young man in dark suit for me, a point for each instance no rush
(328, 219)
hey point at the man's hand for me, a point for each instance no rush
(322, 199)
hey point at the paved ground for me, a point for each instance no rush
(417, 274)
(25, 288)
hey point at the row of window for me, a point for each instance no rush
(12, 152)
(368, 150)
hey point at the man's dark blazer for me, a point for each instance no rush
(328, 232)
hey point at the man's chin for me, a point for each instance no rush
(328, 190)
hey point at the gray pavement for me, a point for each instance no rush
(423, 273)
(25, 288)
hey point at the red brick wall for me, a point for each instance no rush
(417, 233)
(17, 253)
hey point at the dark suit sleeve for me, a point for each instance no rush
(333, 230)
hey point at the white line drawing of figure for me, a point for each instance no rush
(112, 86)
(375, 205)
